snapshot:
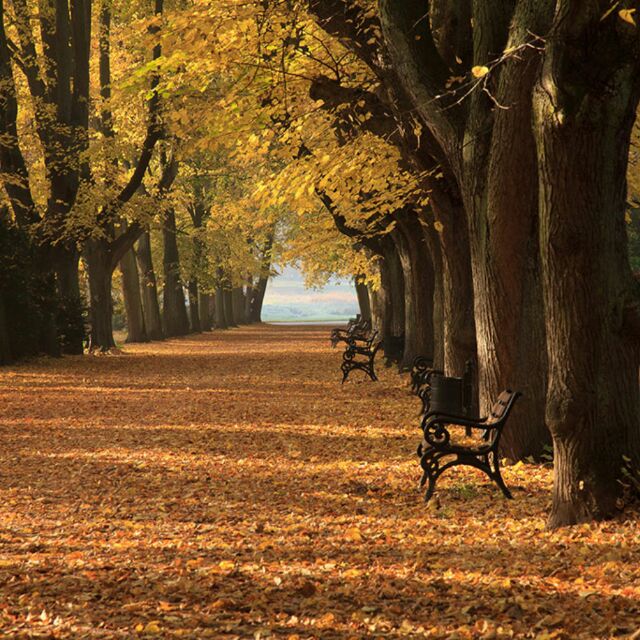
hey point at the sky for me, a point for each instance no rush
(287, 299)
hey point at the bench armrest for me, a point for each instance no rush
(432, 418)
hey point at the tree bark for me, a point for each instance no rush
(583, 136)
(257, 299)
(220, 316)
(136, 329)
(205, 306)
(100, 272)
(419, 289)
(70, 319)
(227, 303)
(237, 301)
(248, 297)
(194, 306)
(149, 288)
(6, 355)
(174, 310)
(432, 243)
(364, 302)
(392, 282)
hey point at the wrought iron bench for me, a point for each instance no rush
(356, 328)
(420, 371)
(437, 444)
(361, 354)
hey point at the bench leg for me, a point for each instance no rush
(371, 369)
(346, 370)
(430, 463)
(497, 477)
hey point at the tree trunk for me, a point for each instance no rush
(227, 303)
(194, 306)
(590, 298)
(248, 297)
(174, 310)
(220, 316)
(459, 327)
(392, 282)
(433, 245)
(100, 273)
(6, 356)
(149, 289)
(257, 299)
(136, 330)
(238, 305)
(419, 289)
(70, 317)
(205, 305)
(364, 302)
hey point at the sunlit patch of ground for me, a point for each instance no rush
(227, 486)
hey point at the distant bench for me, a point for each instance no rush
(360, 353)
(356, 328)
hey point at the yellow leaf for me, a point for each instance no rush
(480, 71)
(227, 565)
(438, 226)
(353, 534)
(352, 573)
(152, 628)
(627, 15)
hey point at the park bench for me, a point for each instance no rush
(357, 327)
(360, 353)
(437, 444)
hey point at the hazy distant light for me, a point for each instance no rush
(287, 300)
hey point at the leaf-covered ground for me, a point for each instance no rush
(226, 486)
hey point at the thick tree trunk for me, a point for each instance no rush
(227, 303)
(149, 288)
(70, 318)
(220, 316)
(205, 306)
(432, 243)
(257, 299)
(376, 295)
(100, 273)
(174, 310)
(194, 306)
(419, 289)
(136, 329)
(589, 295)
(459, 327)
(248, 297)
(501, 194)
(6, 355)
(392, 282)
(364, 302)
(238, 305)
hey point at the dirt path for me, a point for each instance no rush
(226, 486)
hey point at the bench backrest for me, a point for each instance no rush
(452, 395)
(502, 406)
